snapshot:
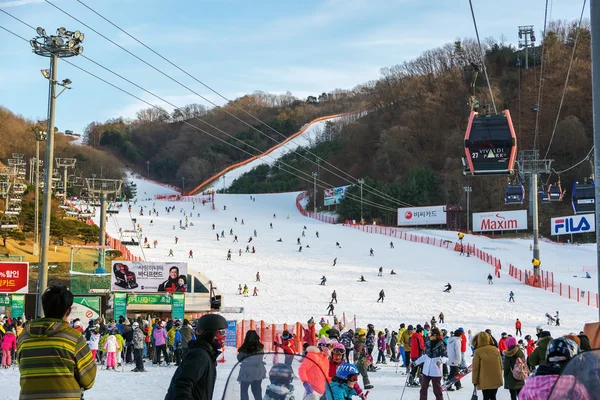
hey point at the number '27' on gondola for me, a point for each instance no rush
(490, 144)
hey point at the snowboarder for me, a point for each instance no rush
(490, 281)
(300, 249)
(330, 309)
(393, 272)
(323, 280)
(391, 245)
(255, 291)
(334, 261)
(280, 240)
(338, 245)
(381, 296)
(511, 297)
(317, 233)
(448, 288)
(298, 241)
(191, 254)
(380, 270)
(441, 317)
(371, 253)
(176, 239)
(557, 319)
(253, 250)
(333, 297)
(229, 255)
(303, 235)
(362, 279)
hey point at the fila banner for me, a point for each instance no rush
(431, 215)
(573, 224)
(500, 221)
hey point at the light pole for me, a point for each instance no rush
(62, 45)
(361, 181)
(314, 175)
(39, 136)
(468, 190)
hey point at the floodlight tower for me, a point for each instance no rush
(65, 163)
(62, 45)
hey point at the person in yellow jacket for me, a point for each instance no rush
(324, 328)
(404, 342)
(401, 351)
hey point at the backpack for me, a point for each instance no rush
(520, 371)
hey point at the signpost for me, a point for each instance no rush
(120, 305)
(18, 306)
(14, 277)
(85, 308)
(178, 306)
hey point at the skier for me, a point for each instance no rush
(317, 233)
(223, 234)
(330, 309)
(255, 291)
(518, 328)
(511, 297)
(235, 219)
(258, 277)
(490, 282)
(230, 232)
(271, 225)
(274, 216)
(255, 233)
(371, 253)
(253, 250)
(242, 221)
(213, 225)
(362, 279)
(217, 236)
(300, 249)
(462, 249)
(240, 289)
(334, 261)
(240, 253)
(338, 245)
(171, 253)
(323, 280)
(381, 296)
(249, 239)
(391, 245)
(191, 254)
(380, 270)
(441, 317)
(245, 290)
(235, 238)
(333, 297)
(248, 249)
(557, 319)
(176, 239)
(298, 241)
(448, 288)
(303, 235)
(229, 255)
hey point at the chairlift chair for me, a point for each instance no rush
(555, 192)
(543, 196)
(490, 144)
(583, 198)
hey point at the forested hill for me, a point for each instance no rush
(411, 142)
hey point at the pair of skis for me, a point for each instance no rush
(462, 372)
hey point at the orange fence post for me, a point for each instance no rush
(298, 337)
(252, 325)
(262, 331)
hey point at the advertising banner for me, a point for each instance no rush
(500, 221)
(148, 299)
(14, 277)
(333, 196)
(231, 334)
(178, 306)
(18, 306)
(152, 277)
(430, 215)
(85, 308)
(120, 305)
(573, 224)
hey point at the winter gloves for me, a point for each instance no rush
(308, 388)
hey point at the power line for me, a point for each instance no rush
(324, 186)
(540, 90)
(381, 194)
(562, 98)
(487, 78)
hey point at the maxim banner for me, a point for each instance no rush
(14, 277)
(141, 276)
(431, 215)
(500, 221)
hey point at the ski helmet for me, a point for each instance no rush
(561, 349)
(339, 346)
(370, 326)
(211, 322)
(346, 371)
(527, 337)
(361, 332)
(281, 374)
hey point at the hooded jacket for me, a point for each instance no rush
(453, 350)
(195, 378)
(111, 344)
(314, 369)
(487, 365)
(538, 357)
(405, 339)
(54, 360)
(187, 334)
(138, 339)
(160, 336)
(510, 359)
(417, 345)
(323, 331)
(435, 351)
(9, 341)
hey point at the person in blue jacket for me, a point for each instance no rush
(342, 384)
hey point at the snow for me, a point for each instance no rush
(306, 139)
(146, 189)
(289, 290)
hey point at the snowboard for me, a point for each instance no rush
(462, 372)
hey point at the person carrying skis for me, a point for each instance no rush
(489, 278)
(381, 296)
(330, 309)
(448, 288)
(333, 297)
(511, 297)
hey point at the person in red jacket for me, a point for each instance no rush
(502, 343)
(463, 348)
(518, 328)
(310, 335)
(530, 345)
(287, 345)
(417, 344)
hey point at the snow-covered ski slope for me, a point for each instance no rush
(305, 139)
(289, 290)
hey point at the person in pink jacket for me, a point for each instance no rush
(381, 348)
(9, 343)
(160, 342)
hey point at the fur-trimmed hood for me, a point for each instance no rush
(512, 351)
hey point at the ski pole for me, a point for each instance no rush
(405, 383)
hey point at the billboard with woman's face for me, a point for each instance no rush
(141, 276)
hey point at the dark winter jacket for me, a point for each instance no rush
(127, 333)
(538, 357)
(346, 339)
(252, 367)
(186, 335)
(195, 378)
(510, 359)
(138, 339)
(394, 341)
(584, 343)
(370, 343)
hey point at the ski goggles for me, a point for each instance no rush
(352, 378)
(338, 352)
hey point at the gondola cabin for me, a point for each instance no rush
(514, 194)
(543, 197)
(555, 192)
(490, 144)
(584, 198)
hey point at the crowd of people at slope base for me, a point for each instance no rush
(56, 361)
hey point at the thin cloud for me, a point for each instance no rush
(17, 3)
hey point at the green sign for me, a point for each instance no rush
(5, 300)
(85, 308)
(18, 305)
(148, 299)
(178, 307)
(120, 305)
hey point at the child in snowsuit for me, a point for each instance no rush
(9, 344)
(381, 348)
(111, 345)
(93, 342)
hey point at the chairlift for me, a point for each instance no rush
(555, 192)
(543, 196)
(584, 197)
(490, 144)
(515, 193)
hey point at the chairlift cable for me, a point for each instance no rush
(541, 85)
(562, 98)
(575, 165)
(481, 55)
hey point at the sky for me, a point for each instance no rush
(236, 47)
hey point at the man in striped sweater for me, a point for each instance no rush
(54, 359)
